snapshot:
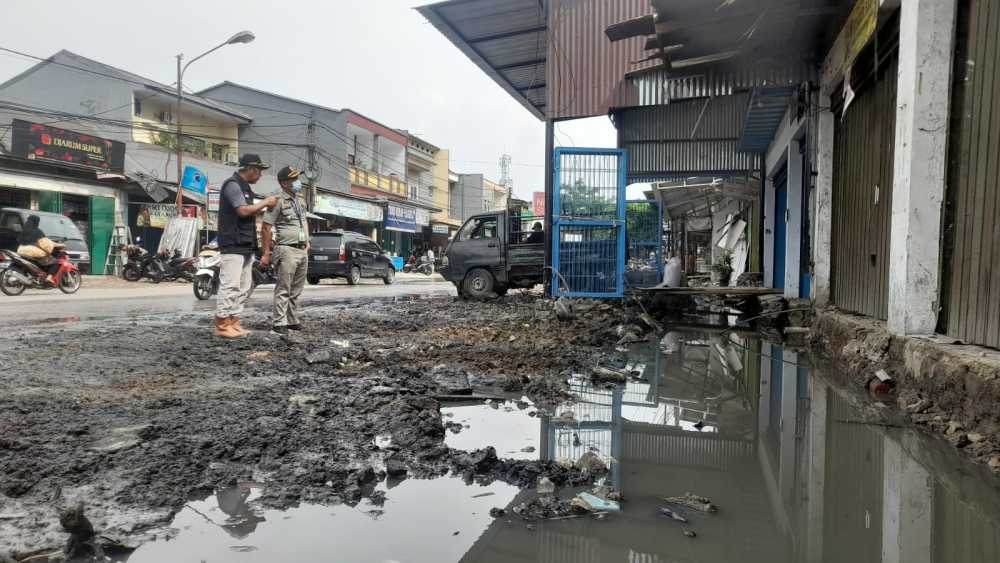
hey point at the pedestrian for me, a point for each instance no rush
(238, 244)
(430, 259)
(288, 250)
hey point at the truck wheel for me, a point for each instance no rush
(501, 290)
(479, 284)
(313, 280)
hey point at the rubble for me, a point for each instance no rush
(592, 464)
(694, 502)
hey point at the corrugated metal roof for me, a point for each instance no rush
(661, 86)
(507, 39)
(765, 110)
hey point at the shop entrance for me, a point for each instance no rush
(13, 197)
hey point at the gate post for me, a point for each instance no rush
(926, 48)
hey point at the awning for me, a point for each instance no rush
(764, 114)
(507, 39)
(680, 199)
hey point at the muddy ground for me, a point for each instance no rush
(135, 417)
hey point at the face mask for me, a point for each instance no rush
(297, 186)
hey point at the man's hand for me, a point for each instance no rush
(271, 202)
(265, 260)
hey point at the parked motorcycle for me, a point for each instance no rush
(423, 267)
(139, 263)
(21, 274)
(173, 267)
(206, 279)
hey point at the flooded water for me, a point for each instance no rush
(796, 471)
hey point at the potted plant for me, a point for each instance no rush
(723, 267)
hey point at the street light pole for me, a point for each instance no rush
(241, 37)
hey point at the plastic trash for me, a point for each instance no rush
(596, 504)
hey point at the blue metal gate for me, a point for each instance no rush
(644, 243)
(588, 223)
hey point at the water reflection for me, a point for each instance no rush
(798, 473)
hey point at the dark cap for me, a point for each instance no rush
(288, 173)
(252, 161)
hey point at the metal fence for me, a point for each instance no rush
(643, 243)
(588, 242)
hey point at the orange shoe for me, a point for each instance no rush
(237, 327)
(224, 328)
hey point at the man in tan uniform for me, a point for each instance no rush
(288, 250)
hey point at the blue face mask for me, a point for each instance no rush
(297, 186)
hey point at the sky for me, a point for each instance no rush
(378, 57)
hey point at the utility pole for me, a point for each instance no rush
(311, 162)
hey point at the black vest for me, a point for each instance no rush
(237, 235)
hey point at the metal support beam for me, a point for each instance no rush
(549, 199)
(508, 34)
(520, 64)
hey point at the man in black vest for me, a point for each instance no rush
(238, 243)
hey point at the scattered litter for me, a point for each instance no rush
(591, 463)
(259, 356)
(593, 503)
(545, 486)
(242, 548)
(497, 512)
(454, 533)
(481, 495)
(602, 375)
(564, 309)
(341, 343)
(317, 357)
(694, 502)
(673, 515)
(690, 533)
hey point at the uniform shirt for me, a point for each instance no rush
(288, 219)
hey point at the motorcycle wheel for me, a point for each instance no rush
(70, 282)
(132, 273)
(203, 287)
(9, 285)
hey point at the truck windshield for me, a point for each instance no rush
(59, 228)
(479, 228)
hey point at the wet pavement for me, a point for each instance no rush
(801, 470)
(146, 299)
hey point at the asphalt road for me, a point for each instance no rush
(116, 298)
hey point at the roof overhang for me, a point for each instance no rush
(507, 39)
(680, 199)
(765, 111)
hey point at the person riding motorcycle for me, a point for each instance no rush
(35, 246)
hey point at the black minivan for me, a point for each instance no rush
(348, 255)
(57, 227)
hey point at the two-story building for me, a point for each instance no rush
(91, 100)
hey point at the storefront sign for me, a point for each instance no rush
(346, 207)
(858, 29)
(157, 215)
(41, 142)
(439, 229)
(538, 203)
(403, 219)
(423, 218)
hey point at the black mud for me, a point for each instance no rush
(134, 418)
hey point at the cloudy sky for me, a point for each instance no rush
(378, 57)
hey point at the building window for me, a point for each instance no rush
(219, 152)
(137, 104)
(413, 191)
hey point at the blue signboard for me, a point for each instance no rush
(194, 180)
(399, 218)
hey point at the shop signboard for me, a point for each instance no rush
(423, 218)
(858, 29)
(538, 203)
(349, 208)
(439, 229)
(157, 215)
(400, 218)
(34, 141)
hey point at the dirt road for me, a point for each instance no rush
(134, 416)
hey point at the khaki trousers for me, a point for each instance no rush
(290, 266)
(235, 282)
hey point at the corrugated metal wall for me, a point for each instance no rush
(663, 87)
(971, 288)
(862, 195)
(586, 72)
(688, 137)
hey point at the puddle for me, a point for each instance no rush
(409, 526)
(501, 424)
(795, 471)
